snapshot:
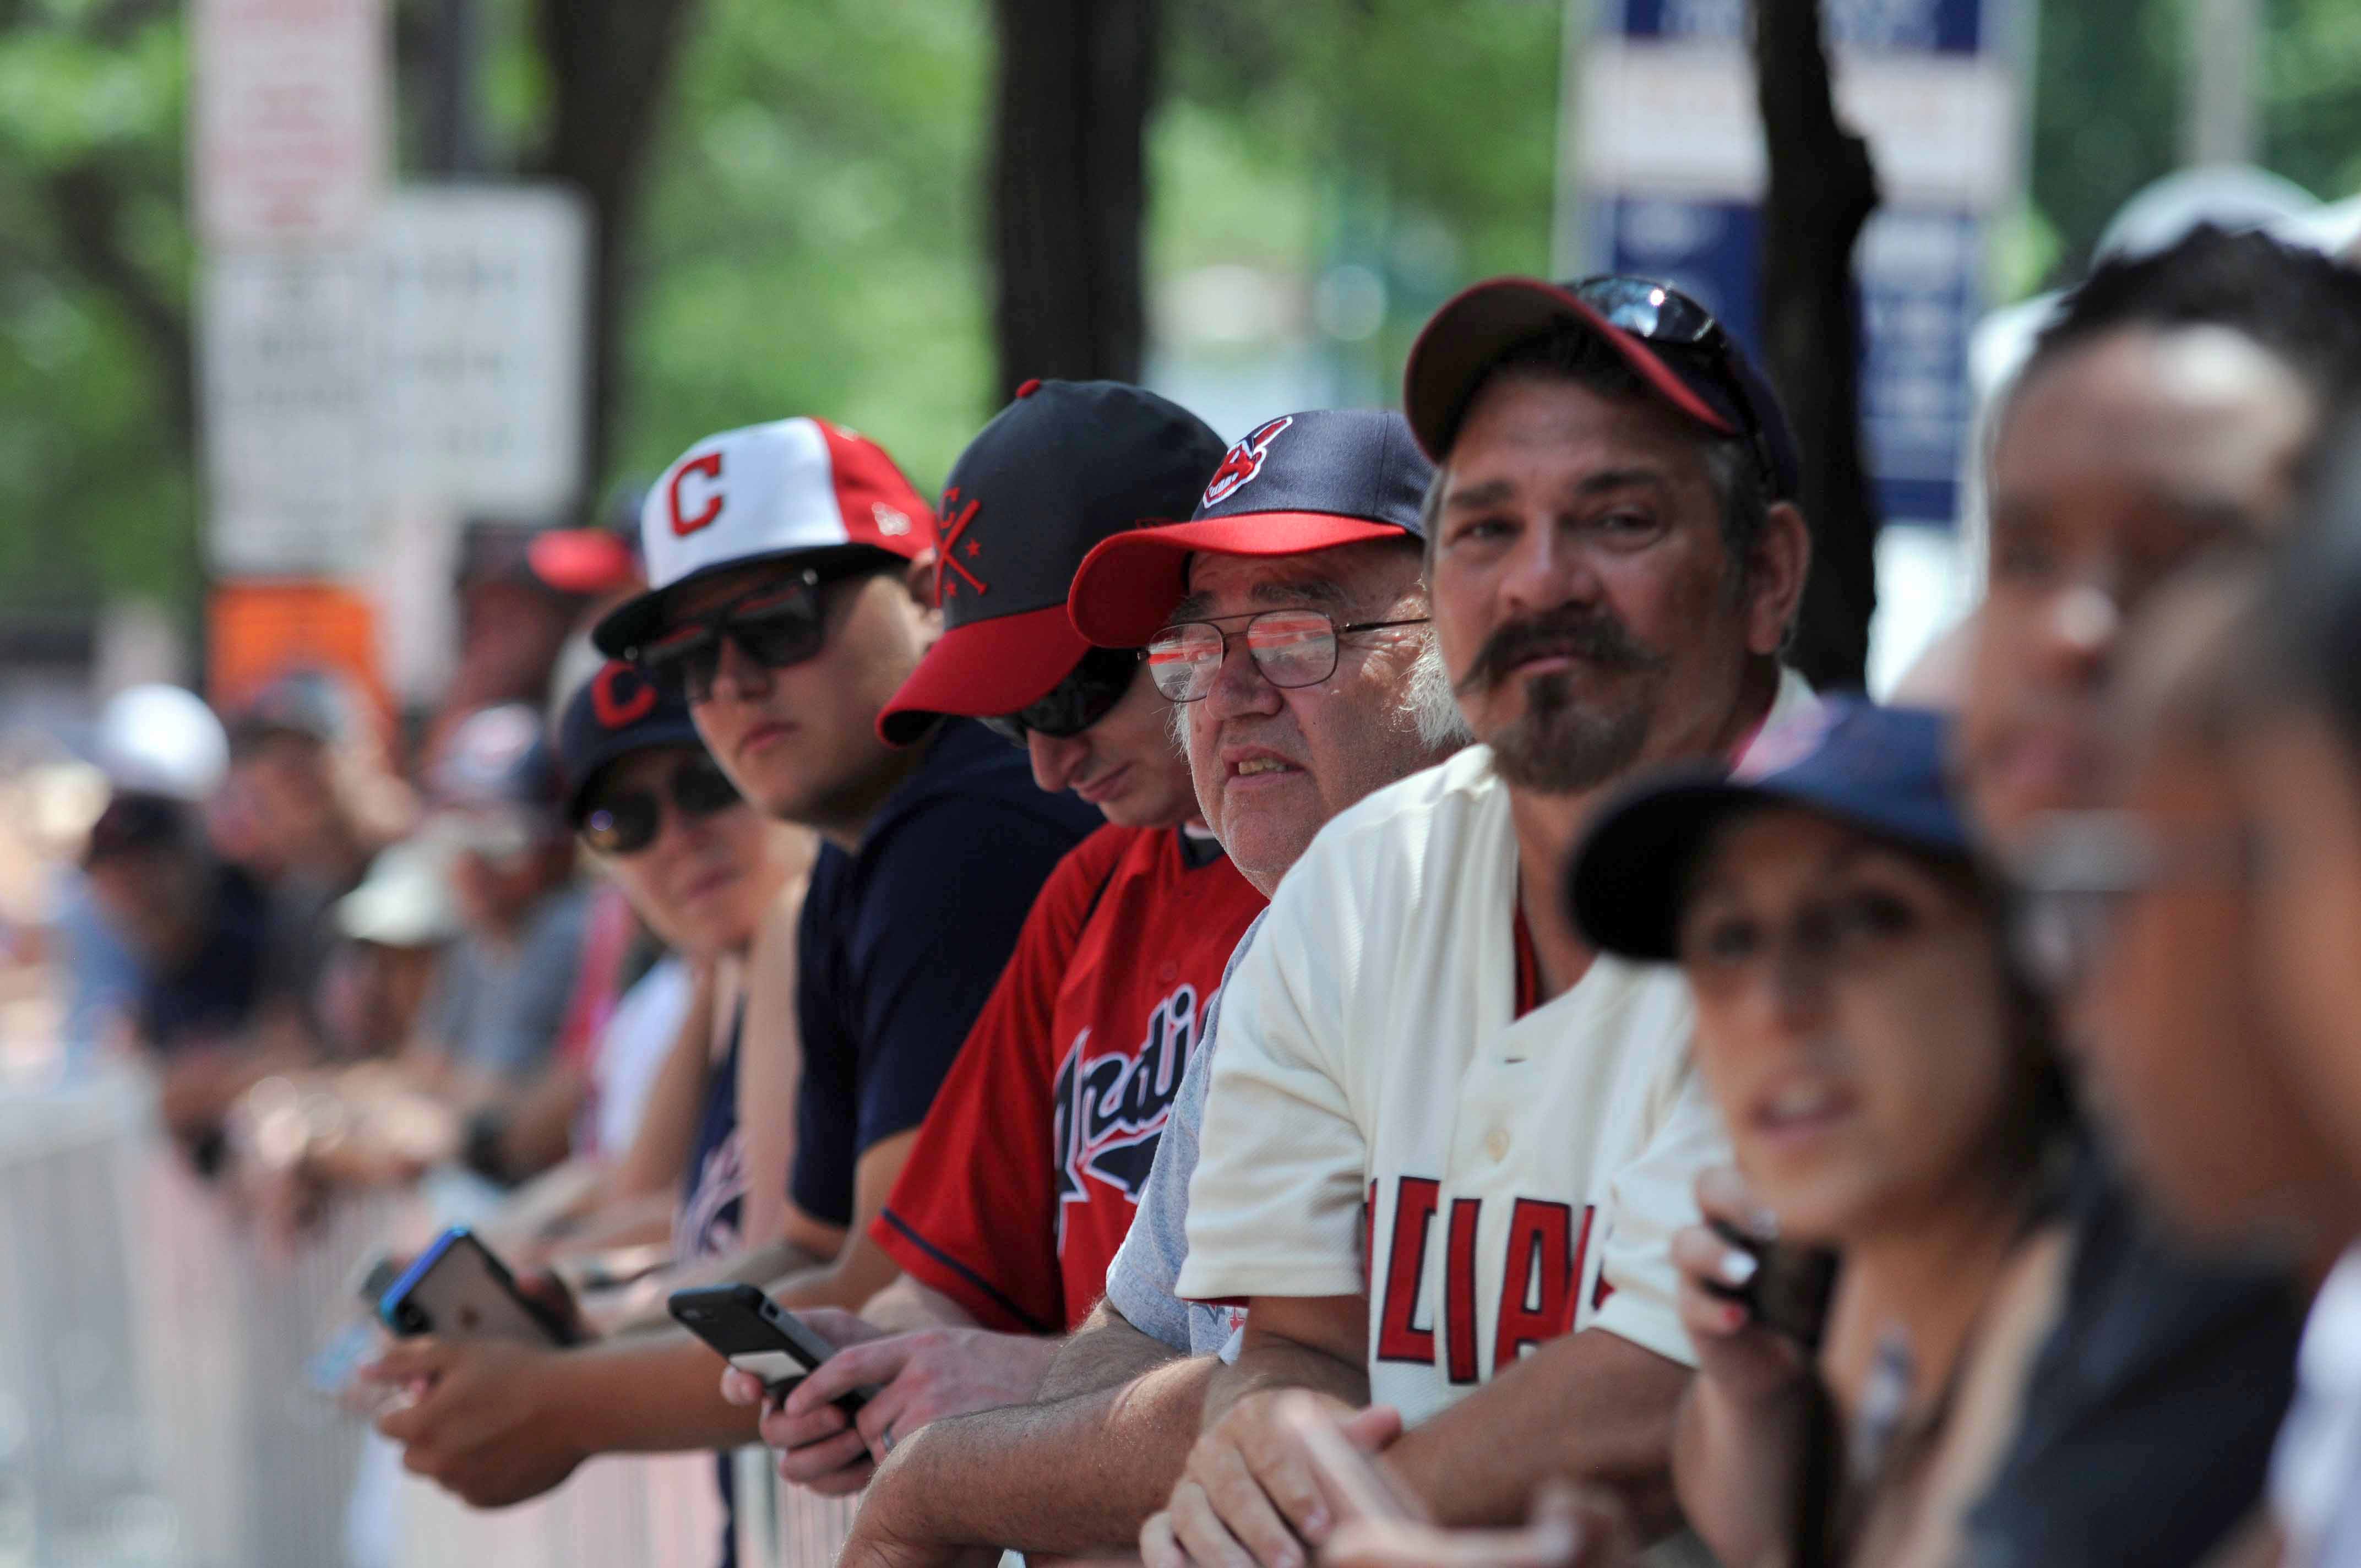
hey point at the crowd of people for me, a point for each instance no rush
(1331, 997)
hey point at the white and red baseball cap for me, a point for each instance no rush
(795, 486)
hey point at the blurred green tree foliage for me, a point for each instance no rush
(809, 235)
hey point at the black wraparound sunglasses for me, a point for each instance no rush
(1087, 694)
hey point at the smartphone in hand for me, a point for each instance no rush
(754, 1334)
(458, 1289)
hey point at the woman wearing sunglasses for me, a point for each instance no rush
(1892, 1104)
(707, 874)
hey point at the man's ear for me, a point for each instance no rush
(1775, 583)
(918, 582)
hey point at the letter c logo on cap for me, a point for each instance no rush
(615, 702)
(709, 465)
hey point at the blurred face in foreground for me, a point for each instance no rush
(801, 742)
(2173, 1021)
(1124, 764)
(1583, 597)
(2122, 460)
(1273, 763)
(706, 880)
(1850, 1024)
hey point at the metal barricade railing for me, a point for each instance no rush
(79, 1481)
(259, 1466)
(156, 1411)
(787, 1525)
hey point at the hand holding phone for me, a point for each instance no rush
(458, 1289)
(756, 1335)
(1791, 1288)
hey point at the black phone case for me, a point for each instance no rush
(736, 1320)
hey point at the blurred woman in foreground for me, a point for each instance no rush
(1891, 1101)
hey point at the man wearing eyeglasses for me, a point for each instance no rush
(1447, 1146)
(1309, 530)
(792, 572)
(1025, 1175)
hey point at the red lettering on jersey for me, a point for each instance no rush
(682, 525)
(1398, 1339)
(1459, 1290)
(1539, 1276)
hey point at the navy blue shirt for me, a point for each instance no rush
(211, 998)
(2150, 1412)
(902, 940)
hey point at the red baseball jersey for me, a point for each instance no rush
(1028, 1167)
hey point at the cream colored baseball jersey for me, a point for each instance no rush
(1382, 1121)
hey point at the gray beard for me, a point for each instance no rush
(1557, 748)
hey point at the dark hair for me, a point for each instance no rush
(2300, 306)
(1565, 354)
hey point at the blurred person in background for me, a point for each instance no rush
(392, 931)
(2166, 413)
(281, 815)
(792, 572)
(1028, 1169)
(1892, 1099)
(1332, 521)
(150, 739)
(198, 930)
(501, 998)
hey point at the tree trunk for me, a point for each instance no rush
(609, 64)
(1069, 187)
(1822, 190)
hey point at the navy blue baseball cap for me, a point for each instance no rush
(1877, 769)
(617, 712)
(1672, 343)
(1295, 484)
(1065, 465)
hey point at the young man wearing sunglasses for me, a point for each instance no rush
(792, 575)
(1447, 1146)
(1309, 532)
(1027, 1169)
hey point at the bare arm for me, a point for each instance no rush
(1594, 1406)
(1105, 1352)
(1245, 1492)
(1316, 1342)
(771, 1068)
(1070, 1475)
(859, 1267)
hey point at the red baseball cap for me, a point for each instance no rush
(1720, 389)
(794, 486)
(1291, 486)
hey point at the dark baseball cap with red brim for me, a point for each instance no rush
(1297, 484)
(1067, 464)
(1719, 386)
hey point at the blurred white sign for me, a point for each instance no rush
(477, 324)
(289, 138)
(436, 368)
(282, 370)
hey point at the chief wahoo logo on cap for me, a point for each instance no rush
(1243, 461)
